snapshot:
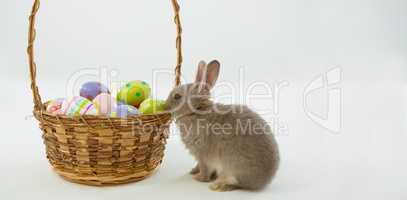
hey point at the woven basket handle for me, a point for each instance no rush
(33, 67)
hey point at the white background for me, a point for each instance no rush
(277, 40)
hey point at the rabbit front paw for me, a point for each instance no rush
(202, 177)
(194, 170)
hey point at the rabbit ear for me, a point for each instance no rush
(212, 73)
(208, 74)
(200, 74)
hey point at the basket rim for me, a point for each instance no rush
(134, 117)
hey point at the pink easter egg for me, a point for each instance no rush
(55, 105)
(105, 104)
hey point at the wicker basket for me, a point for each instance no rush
(97, 150)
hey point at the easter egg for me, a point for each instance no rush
(126, 110)
(105, 104)
(77, 106)
(92, 89)
(133, 93)
(53, 106)
(151, 106)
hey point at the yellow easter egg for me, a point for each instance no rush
(133, 93)
(152, 106)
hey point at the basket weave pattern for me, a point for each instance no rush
(98, 150)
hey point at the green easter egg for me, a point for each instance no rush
(134, 92)
(151, 106)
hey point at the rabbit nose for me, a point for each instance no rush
(168, 103)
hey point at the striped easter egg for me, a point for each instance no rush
(78, 106)
(126, 110)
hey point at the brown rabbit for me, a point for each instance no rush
(233, 145)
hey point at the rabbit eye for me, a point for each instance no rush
(177, 96)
